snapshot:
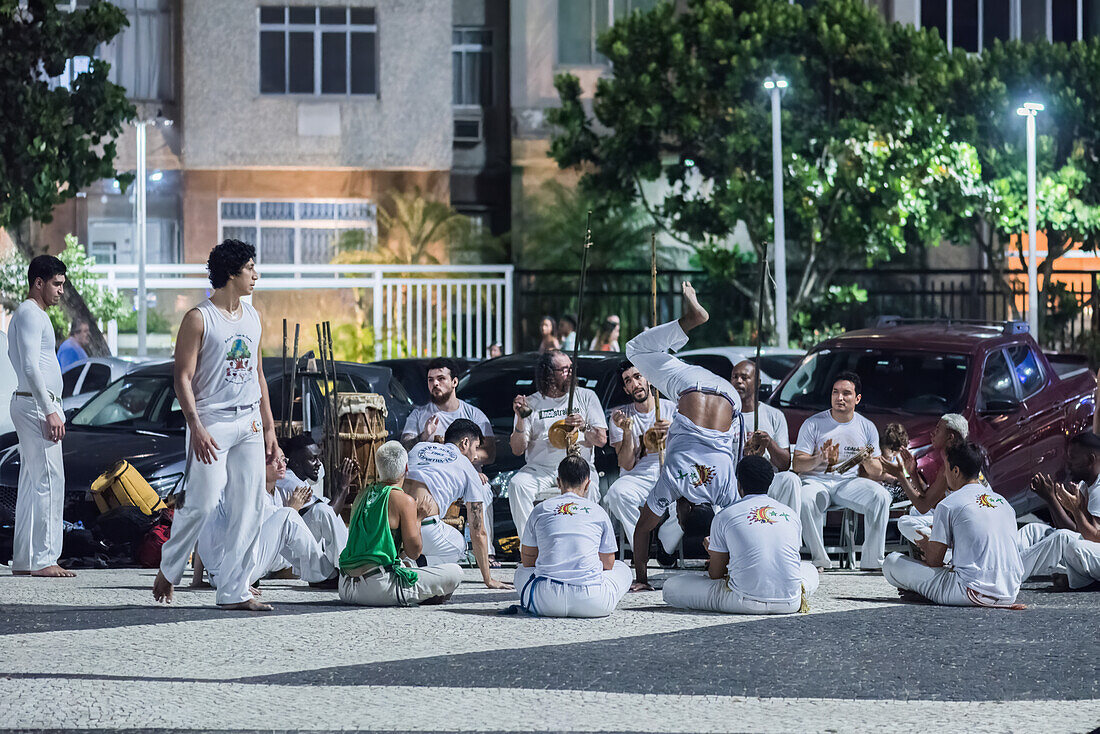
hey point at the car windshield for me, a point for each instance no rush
(893, 381)
(132, 402)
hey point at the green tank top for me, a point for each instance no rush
(370, 540)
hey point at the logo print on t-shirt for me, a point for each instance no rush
(698, 476)
(436, 454)
(988, 500)
(767, 514)
(571, 508)
(238, 364)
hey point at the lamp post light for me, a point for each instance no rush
(775, 85)
(140, 242)
(1029, 111)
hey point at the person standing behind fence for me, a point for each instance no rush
(39, 424)
(607, 338)
(547, 339)
(567, 332)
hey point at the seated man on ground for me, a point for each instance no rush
(283, 540)
(439, 476)
(639, 467)
(699, 452)
(304, 468)
(1070, 551)
(771, 439)
(754, 544)
(567, 553)
(833, 447)
(384, 528)
(979, 527)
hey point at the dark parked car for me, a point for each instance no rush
(413, 375)
(137, 418)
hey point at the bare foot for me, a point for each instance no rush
(694, 314)
(640, 586)
(53, 572)
(162, 589)
(251, 605)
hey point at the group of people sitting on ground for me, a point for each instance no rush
(562, 334)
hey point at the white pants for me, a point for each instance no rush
(1046, 550)
(554, 599)
(329, 530)
(1082, 559)
(283, 540)
(533, 483)
(442, 543)
(382, 590)
(648, 352)
(938, 585)
(235, 478)
(699, 591)
(786, 487)
(867, 497)
(625, 498)
(915, 527)
(40, 501)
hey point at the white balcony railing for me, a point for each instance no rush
(417, 310)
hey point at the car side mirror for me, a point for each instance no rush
(1000, 407)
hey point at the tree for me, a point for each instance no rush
(870, 167)
(103, 304)
(54, 142)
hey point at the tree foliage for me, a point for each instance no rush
(55, 142)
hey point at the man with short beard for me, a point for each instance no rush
(772, 440)
(530, 434)
(639, 468)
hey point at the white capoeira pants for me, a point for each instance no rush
(786, 487)
(237, 478)
(699, 591)
(1046, 550)
(533, 483)
(548, 598)
(915, 527)
(328, 529)
(382, 589)
(867, 497)
(626, 496)
(284, 540)
(938, 585)
(442, 543)
(648, 352)
(40, 499)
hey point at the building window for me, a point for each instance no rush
(974, 24)
(318, 50)
(309, 232)
(472, 53)
(580, 23)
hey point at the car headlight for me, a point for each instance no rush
(164, 485)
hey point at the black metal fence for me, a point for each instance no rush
(1068, 311)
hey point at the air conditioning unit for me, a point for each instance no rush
(468, 130)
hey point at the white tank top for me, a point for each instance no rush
(226, 374)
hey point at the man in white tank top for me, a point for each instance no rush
(40, 425)
(230, 432)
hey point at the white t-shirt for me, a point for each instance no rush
(285, 487)
(772, 422)
(763, 538)
(852, 437)
(545, 412)
(1094, 498)
(570, 533)
(447, 474)
(421, 413)
(980, 528)
(226, 375)
(31, 347)
(647, 464)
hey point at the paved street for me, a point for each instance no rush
(96, 653)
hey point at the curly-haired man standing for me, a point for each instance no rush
(221, 389)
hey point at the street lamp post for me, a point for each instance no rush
(139, 239)
(1029, 111)
(775, 85)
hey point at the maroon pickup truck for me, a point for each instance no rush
(1022, 405)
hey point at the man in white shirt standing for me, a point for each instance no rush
(832, 447)
(39, 424)
(440, 475)
(639, 468)
(772, 439)
(530, 433)
(567, 553)
(754, 544)
(979, 526)
(222, 392)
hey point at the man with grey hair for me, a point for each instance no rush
(383, 534)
